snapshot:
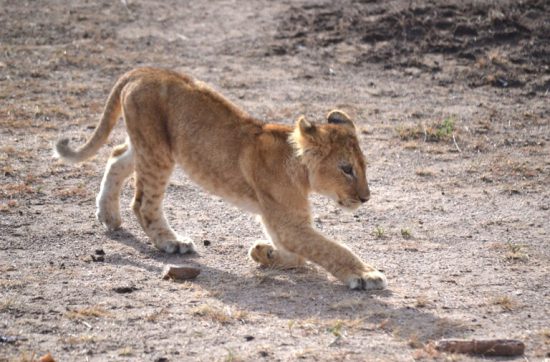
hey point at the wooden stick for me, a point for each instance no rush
(488, 347)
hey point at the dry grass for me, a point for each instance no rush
(24, 357)
(16, 189)
(155, 316)
(79, 191)
(351, 304)
(218, 315)
(512, 251)
(87, 313)
(7, 206)
(232, 357)
(82, 339)
(7, 304)
(11, 284)
(7, 170)
(428, 351)
(506, 303)
(422, 301)
(516, 253)
(126, 352)
(410, 145)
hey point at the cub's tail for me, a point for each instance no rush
(111, 113)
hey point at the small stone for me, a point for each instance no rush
(182, 272)
(96, 259)
(248, 338)
(125, 289)
(99, 252)
(206, 242)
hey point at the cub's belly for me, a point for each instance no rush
(229, 185)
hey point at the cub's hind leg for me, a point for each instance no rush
(152, 177)
(119, 167)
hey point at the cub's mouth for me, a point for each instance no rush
(349, 204)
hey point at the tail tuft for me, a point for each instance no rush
(63, 151)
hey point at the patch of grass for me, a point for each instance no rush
(445, 129)
(506, 303)
(348, 304)
(433, 132)
(379, 232)
(7, 170)
(10, 284)
(87, 313)
(16, 189)
(231, 356)
(411, 145)
(79, 191)
(516, 253)
(26, 357)
(422, 302)
(336, 329)
(155, 316)
(408, 133)
(406, 233)
(126, 352)
(7, 206)
(6, 305)
(218, 315)
(427, 351)
(82, 339)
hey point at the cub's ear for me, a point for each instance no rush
(306, 127)
(306, 138)
(340, 118)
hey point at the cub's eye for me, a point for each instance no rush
(347, 169)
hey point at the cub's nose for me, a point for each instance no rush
(364, 196)
(364, 199)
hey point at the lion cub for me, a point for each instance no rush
(267, 169)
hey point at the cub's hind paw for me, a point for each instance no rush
(262, 253)
(368, 281)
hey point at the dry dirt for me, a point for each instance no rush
(452, 99)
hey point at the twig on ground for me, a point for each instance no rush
(456, 144)
(488, 347)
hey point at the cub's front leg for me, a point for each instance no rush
(341, 262)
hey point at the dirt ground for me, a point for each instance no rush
(452, 101)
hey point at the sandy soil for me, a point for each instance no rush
(452, 99)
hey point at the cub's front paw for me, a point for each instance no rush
(181, 246)
(368, 281)
(110, 219)
(262, 253)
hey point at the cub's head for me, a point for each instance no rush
(335, 163)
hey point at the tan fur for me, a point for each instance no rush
(267, 169)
